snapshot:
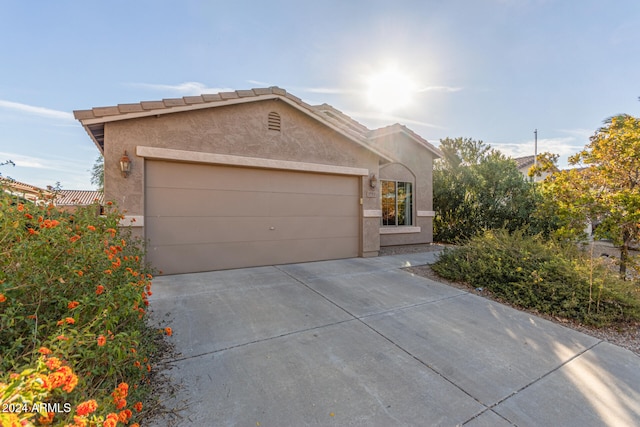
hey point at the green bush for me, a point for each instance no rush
(548, 276)
(73, 297)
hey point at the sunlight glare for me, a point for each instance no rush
(390, 89)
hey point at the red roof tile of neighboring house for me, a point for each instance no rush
(93, 120)
(77, 197)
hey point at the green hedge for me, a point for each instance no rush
(548, 276)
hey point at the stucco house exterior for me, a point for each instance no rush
(259, 177)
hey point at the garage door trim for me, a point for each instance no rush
(156, 153)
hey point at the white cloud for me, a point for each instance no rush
(448, 89)
(388, 118)
(21, 160)
(182, 89)
(38, 111)
(259, 83)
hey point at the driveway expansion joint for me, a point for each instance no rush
(398, 346)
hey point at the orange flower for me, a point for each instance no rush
(138, 406)
(168, 331)
(67, 320)
(121, 403)
(2, 298)
(111, 421)
(32, 231)
(46, 420)
(107, 272)
(44, 350)
(109, 203)
(124, 416)
(73, 304)
(63, 377)
(91, 227)
(80, 273)
(148, 368)
(28, 216)
(99, 289)
(75, 238)
(85, 408)
(20, 207)
(53, 363)
(101, 340)
(62, 338)
(120, 392)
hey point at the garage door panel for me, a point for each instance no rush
(205, 217)
(180, 230)
(206, 202)
(196, 176)
(286, 204)
(217, 256)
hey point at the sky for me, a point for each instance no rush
(490, 70)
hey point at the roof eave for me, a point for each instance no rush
(90, 123)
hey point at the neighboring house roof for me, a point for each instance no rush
(94, 120)
(525, 161)
(78, 197)
(28, 191)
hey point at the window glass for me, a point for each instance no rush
(397, 203)
(388, 203)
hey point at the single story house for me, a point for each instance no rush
(259, 177)
(25, 191)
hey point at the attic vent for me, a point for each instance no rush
(273, 121)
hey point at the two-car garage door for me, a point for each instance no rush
(208, 217)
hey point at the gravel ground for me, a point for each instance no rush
(627, 336)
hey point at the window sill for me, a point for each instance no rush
(400, 230)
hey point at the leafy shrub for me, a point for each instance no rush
(73, 296)
(548, 276)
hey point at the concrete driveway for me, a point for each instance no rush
(361, 342)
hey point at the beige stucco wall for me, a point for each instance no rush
(239, 130)
(415, 164)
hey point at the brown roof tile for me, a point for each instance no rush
(130, 108)
(152, 105)
(105, 111)
(229, 95)
(211, 97)
(78, 197)
(174, 102)
(245, 93)
(193, 99)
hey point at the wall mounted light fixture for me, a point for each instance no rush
(373, 181)
(125, 165)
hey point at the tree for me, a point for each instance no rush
(97, 173)
(606, 189)
(477, 188)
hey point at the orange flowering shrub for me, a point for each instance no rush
(73, 296)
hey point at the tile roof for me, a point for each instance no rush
(93, 120)
(31, 192)
(525, 161)
(78, 197)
